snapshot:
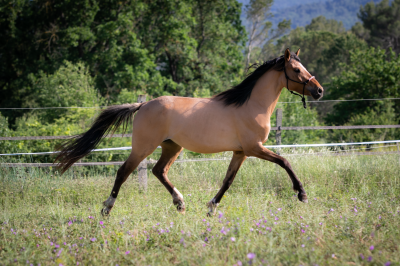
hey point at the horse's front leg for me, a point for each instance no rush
(237, 160)
(261, 152)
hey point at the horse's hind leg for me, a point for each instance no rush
(237, 160)
(170, 151)
(137, 155)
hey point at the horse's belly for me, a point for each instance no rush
(207, 146)
(211, 136)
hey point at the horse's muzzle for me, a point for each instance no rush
(317, 93)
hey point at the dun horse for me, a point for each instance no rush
(237, 120)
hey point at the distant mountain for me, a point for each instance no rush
(341, 10)
(302, 14)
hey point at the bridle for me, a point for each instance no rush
(303, 99)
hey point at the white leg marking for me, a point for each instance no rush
(177, 199)
(177, 194)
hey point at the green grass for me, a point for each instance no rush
(260, 213)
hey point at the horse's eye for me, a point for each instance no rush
(297, 70)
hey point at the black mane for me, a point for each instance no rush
(240, 94)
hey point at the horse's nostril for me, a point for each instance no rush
(320, 91)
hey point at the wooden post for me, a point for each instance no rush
(142, 167)
(141, 98)
(398, 150)
(278, 125)
(142, 174)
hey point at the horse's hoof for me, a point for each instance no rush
(105, 211)
(181, 209)
(302, 197)
(212, 207)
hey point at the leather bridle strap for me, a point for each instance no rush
(303, 99)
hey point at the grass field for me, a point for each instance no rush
(352, 217)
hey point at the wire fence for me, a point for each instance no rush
(90, 107)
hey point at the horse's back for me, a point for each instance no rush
(198, 124)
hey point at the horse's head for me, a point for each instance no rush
(299, 79)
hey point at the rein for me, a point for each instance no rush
(303, 99)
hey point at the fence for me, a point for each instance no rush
(142, 168)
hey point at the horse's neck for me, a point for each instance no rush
(266, 92)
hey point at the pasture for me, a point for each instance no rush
(352, 217)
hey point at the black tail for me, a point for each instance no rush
(81, 145)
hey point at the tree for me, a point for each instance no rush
(322, 24)
(260, 30)
(166, 47)
(370, 73)
(381, 24)
(71, 85)
(323, 46)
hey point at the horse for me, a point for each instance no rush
(236, 120)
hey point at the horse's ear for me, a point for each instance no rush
(298, 52)
(287, 54)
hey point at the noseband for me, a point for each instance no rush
(303, 99)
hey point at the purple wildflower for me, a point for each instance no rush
(371, 248)
(101, 222)
(369, 258)
(127, 252)
(93, 239)
(387, 263)
(251, 256)
(233, 239)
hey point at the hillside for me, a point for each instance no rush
(301, 15)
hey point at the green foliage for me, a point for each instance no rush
(322, 24)
(160, 48)
(381, 24)
(70, 86)
(260, 28)
(371, 73)
(5, 146)
(361, 32)
(382, 113)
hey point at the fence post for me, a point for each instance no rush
(398, 150)
(278, 125)
(142, 167)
